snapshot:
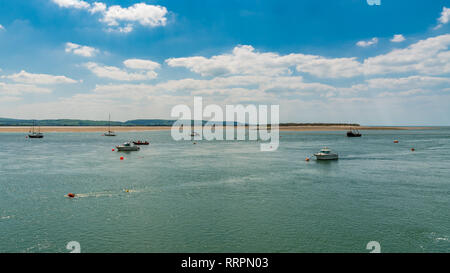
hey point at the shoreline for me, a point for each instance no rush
(101, 129)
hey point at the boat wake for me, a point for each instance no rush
(104, 194)
(438, 238)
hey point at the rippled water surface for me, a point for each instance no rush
(226, 196)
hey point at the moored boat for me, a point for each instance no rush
(35, 134)
(326, 154)
(127, 147)
(354, 133)
(109, 133)
(139, 142)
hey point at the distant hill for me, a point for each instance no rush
(136, 122)
(77, 122)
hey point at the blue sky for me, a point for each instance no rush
(321, 61)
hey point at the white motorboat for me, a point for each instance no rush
(127, 147)
(326, 154)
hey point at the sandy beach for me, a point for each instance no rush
(86, 129)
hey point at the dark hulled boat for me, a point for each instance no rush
(35, 134)
(141, 142)
(354, 133)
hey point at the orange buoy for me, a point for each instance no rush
(121, 158)
(395, 141)
(71, 195)
(307, 159)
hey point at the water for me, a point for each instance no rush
(226, 196)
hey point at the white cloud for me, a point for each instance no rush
(331, 68)
(254, 88)
(412, 82)
(119, 18)
(146, 15)
(77, 4)
(115, 73)
(398, 38)
(29, 78)
(85, 51)
(97, 7)
(18, 89)
(125, 29)
(408, 93)
(141, 64)
(9, 99)
(445, 17)
(430, 57)
(373, 41)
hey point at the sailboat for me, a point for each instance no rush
(33, 133)
(109, 133)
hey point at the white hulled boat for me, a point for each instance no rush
(326, 154)
(127, 147)
(109, 133)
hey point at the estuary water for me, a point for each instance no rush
(226, 196)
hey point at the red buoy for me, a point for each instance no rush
(412, 150)
(71, 195)
(113, 150)
(121, 158)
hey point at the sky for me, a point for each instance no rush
(350, 61)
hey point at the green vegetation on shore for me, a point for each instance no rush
(137, 122)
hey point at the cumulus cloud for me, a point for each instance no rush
(411, 82)
(141, 64)
(121, 19)
(115, 73)
(373, 41)
(398, 38)
(445, 17)
(77, 4)
(85, 51)
(408, 93)
(18, 89)
(30, 78)
(245, 60)
(146, 15)
(97, 7)
(430, 56)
